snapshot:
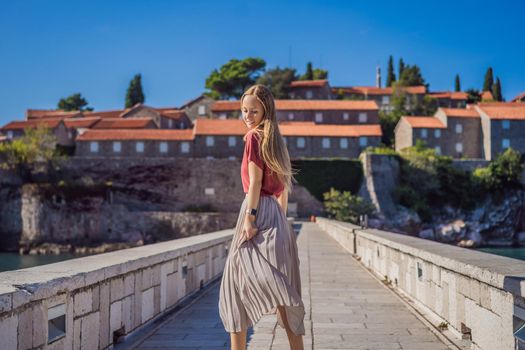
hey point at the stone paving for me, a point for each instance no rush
(346, 308)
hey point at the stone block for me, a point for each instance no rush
(6, 302)
(147, 278)
(127, 312)
(104, 314)
(137, 308)
(129, 284)
(155, 278)
(485, 295)
(156, 300)
(25, 329)
(95, 292)
(77, 328)
(475, 290)
(148, 306)
(83, 302)
(39, 325)
(115, 317)
(117, 289)
(90, 331)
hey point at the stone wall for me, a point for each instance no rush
(105, 296)
(480, 296)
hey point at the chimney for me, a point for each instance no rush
(378, 77)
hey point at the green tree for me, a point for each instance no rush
(457, 84)
(74, 102)
(411, 76)
(489, 80)
(401, 67)
(234, 77)
(36, 145)
(134, 94)
(496, 90)
(278, 80)
(309, 74)
(473, 96)
(390, 75)
(344, 206)
(503, 172)
(320, 74)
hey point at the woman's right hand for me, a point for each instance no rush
(249, 230)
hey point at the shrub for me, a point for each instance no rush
(344, 206)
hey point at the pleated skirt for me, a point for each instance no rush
(263, 272)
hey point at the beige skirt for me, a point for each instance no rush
(263, 272)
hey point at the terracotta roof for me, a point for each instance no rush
(460, 112)
(424, 122)
(123, 123)
(453, 95)
(312, 129)
(173, 114)
(104, 114)
(487, 95)
(50, 113)
(294, 105)
(20, 125)
(85, 122)
(503, 110)
(137, 134)
(519, 98)
(372, 90)
(205, 126)
(309, 83)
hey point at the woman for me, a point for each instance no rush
(261, 274)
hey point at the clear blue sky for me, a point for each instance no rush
(51, 49)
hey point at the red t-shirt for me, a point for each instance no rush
(271, 185)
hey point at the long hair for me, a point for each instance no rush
(272, 147)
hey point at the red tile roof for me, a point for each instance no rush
(487, 95)
(503, 110)
(20, 125)
(123, 123)
(173, 114)
(453, 95)
(296, 105)
(424, 122)
(205, 126)
(85, 122)
(519, 98)
(460, 112)
(372, 90)
(137, 134)
(50, 113)
(309, 83)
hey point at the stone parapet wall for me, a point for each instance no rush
(479, 295)
(104, 296)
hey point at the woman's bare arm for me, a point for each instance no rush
(283, 200)
(254, 190)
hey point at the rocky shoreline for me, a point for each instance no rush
(56, 248)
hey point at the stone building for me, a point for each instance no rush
(310, 90)
(198, 107)
(382, 96)
(15, 129)
(319, 111)
(450, 99)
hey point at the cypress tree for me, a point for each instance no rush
(496, 90)
(309, 75)
(134, 93)
(401, 67)
(489, 80)
(390, 76)
(457, 86)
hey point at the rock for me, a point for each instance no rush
(467, 243)
(520, 237)
(375, 223)
(427, 234)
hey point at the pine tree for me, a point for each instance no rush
(457, 86)
(489, 80)
(401, 67)
(134, 93)
(309, 75)
(496, 90)
(390, 75)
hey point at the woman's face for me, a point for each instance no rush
(252, 111)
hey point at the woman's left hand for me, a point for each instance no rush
(249, 229)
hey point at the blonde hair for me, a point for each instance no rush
(272, 148)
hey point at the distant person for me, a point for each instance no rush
(261, 274)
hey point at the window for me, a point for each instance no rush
(9, 134)
(309, 94)
(185, 147)
(300, 142)
(117, 146)
(459, 128)
(505, 143)
(170, 123)
(290, 116)
(438, 149)
(343, 142)
(139, 147)
(505, 124)
(424, 133)
(385, 100)
(93, 146)
(459, 147)
(232, 141)
(363, 117)
(318, 117)
(210, 141)
(363, 141)
(346, 116)
(202, 110)
(163, 147)
(437, 133)
(223, 116)
(326, 142)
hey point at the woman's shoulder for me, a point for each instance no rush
(252, 135)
